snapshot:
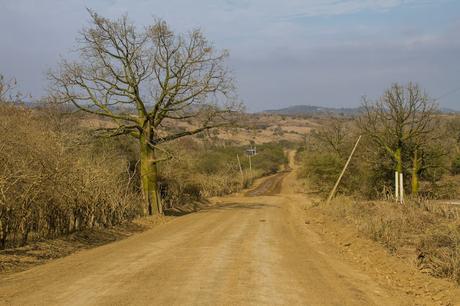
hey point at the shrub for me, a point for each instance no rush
(456, 165)
(431, 230)
(56, 179)
(197, 171)
(439, 252)
(321, 170)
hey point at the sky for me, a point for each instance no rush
(314, 52)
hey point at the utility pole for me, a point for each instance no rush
(331, 195)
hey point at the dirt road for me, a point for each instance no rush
(270, 186)
(246, 250)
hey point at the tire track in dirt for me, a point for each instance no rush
(269, 186)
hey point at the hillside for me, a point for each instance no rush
(311, 109)
(320, 110)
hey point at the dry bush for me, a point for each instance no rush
(198, 171)
(325, 153)
(439, 252)
(371, 172)
(431, 230)
(55, 179)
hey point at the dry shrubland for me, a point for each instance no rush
(198, 170)
(428, 156)
(430, 232)
(55, 179)
(402, 132)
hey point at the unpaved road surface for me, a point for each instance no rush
(245, 250)
(270, 186)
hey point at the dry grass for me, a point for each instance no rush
(428, 232)
(439, 251)
(260, 128)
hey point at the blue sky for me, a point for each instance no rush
(320, 52)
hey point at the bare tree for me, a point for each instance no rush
(334, 136)
(139, 79)
(6, 90)
(400, 120)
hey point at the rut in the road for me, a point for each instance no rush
(270, 186)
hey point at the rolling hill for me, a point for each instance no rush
(310, 109)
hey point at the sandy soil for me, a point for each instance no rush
(245, 250)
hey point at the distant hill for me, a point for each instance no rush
(446, 110)
(310, 109)
(318, 110)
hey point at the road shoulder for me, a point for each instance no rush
(390, 272)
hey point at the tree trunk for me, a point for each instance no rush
(415, 169)
(149, 178)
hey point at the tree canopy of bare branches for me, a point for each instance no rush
(400, 122)
(6, 90)
(334, 136)
(140, 78)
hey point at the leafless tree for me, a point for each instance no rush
(6, 89)
(401, 119)
(333, 135)
(139, 79)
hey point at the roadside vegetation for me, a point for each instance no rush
(425, 234)
(59, 176)
(402, 132)
(201, 170)
(56, 179)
